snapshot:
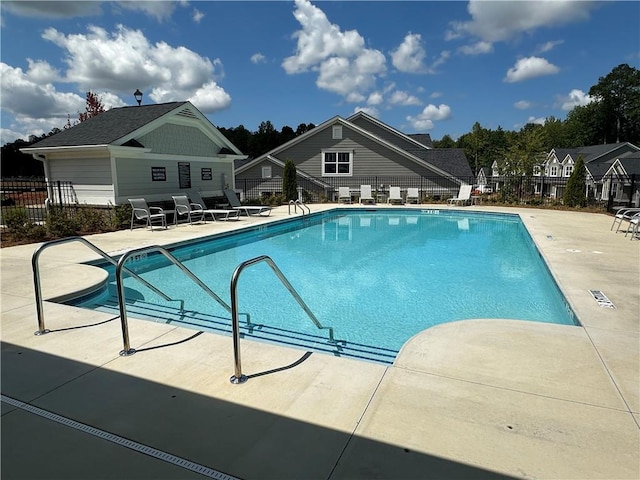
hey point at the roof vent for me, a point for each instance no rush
(187, 112)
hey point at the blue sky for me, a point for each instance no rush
(419, 66)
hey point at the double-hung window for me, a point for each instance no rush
(337, 163)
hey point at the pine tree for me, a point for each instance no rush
(574, 195)
(289, 181)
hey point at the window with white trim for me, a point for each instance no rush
(335, 163)
(337, 132)
(266, 171)
(568, 170)
(554, 170)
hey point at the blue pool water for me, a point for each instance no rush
(377, 277)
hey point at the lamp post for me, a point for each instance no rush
(138, 96)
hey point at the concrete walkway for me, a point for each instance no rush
(470, 399)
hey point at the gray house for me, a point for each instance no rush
(598, 160)
(149, 151)
(352, 152)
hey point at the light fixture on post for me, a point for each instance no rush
(138, 96)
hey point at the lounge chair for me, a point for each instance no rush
(234, 201)
(344, 195)
(365, 194)
(193, 211)
(464, 195)
(216, 213)
(413, 195)
(394, 196)
(634, 221)
(142, 212)
(623, 215)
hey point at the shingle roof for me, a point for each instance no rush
(109, 126)
(423, 138)
(631, 163)
(451, 160)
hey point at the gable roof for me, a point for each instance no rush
(447, 162)
(591, 153)
(108, 127)
(630, 162)
(423, 138)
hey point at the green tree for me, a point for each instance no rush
(618, 95)
(584, 126)
(554, 134)
(524, 152)
(289, 181)
(444, 142)
(574, 195)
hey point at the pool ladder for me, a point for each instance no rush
(238, 377)
(297, 203)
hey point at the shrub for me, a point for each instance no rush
(289, 181)
(90, 220)
(576, 185)
(121, 216)
(17, 221)
(61, 223)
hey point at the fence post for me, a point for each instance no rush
(610, 199)
(59, 192)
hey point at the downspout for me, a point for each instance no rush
(47, 176)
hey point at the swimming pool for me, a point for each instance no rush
(377, 277)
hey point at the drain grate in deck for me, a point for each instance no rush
(124, 442)
(602, 299)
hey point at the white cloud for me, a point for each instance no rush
(501, 21)
(99, 60)
(258, 58)
(25, 97)
(537, 121)
(41, 72)
(197, 15)
(548, 46)
(368, 110)
(36, 107)
(403, 98)
(436, 95)
(575, 98)
(375, 98)
(410, 54)
(160, 10)
(430, 113)
(477, 48)
(343, 63)
(522, 105)
(528, 68)
(48, 9)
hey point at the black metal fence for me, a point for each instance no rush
(34, 196)
(607, 192)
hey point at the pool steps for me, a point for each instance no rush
(250, 330)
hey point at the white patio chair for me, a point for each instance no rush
(413, 195)
(394, 196)
(365, 194)
(234, 201)
(344, 195)
(193, 211)
(464, 195)
(140, 211)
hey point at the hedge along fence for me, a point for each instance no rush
(38, 210)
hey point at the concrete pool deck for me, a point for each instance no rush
(470, 399)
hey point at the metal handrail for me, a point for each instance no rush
(238, 377)
(127, 350)
(36, 276)
(295, 203)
